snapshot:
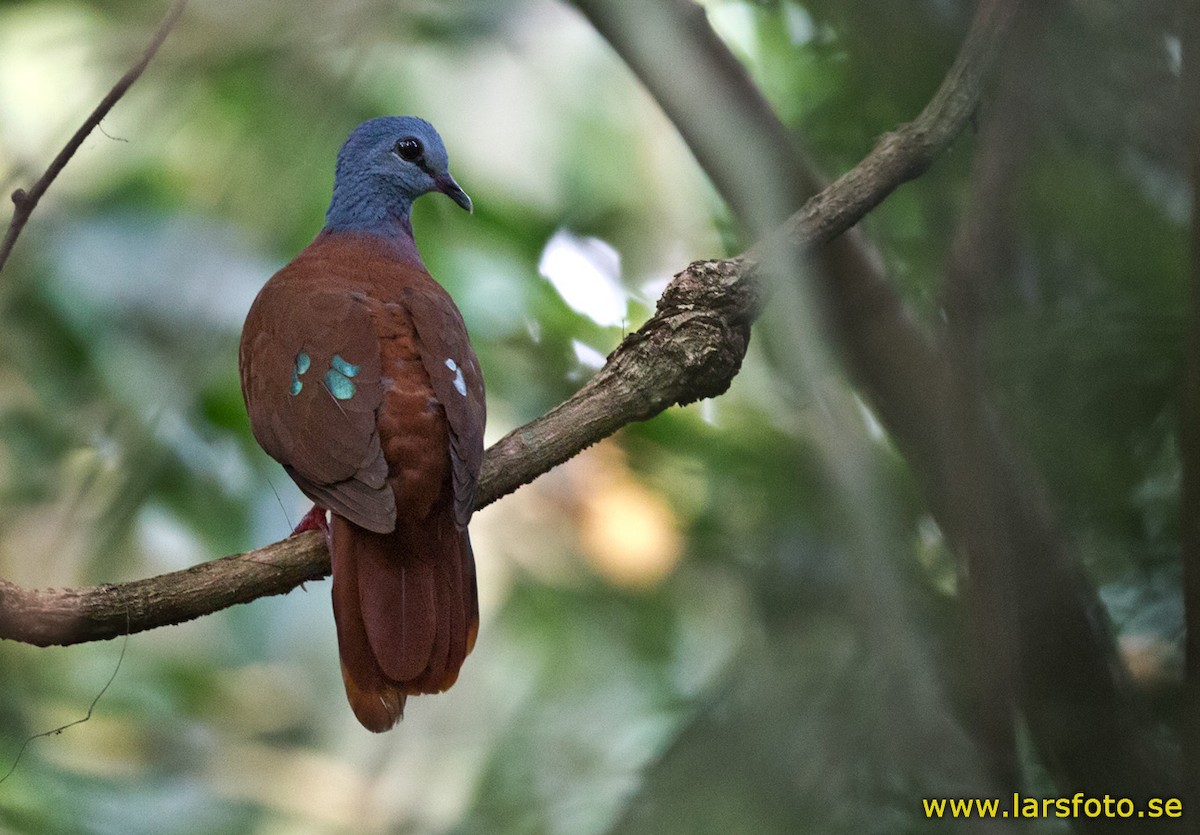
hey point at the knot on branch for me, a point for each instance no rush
(693, 346)
(725, 287)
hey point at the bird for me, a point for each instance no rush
(359, 377)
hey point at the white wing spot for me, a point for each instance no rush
(460, 385)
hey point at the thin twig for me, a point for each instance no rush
(86, 717)
(24, 202)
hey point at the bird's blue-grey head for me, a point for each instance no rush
(384, 166)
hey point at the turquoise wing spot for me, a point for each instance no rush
(337, 378)
(303, 361)
(339, 384)
(342, 367)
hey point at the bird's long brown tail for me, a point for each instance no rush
(407, 613)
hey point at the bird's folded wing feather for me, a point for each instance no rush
(311, 380)
(454, 374)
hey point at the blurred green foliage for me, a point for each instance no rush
(786, 655)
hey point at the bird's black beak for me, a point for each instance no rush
(447, 186)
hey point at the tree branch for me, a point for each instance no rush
(71, 616)
(907, 153)
(689, 350)
(24, 202)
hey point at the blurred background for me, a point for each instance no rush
(738, 617)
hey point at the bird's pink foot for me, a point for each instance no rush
(316, 520)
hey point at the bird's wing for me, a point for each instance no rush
(310, 369)
(457, 382)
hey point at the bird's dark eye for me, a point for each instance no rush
(409, 149)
